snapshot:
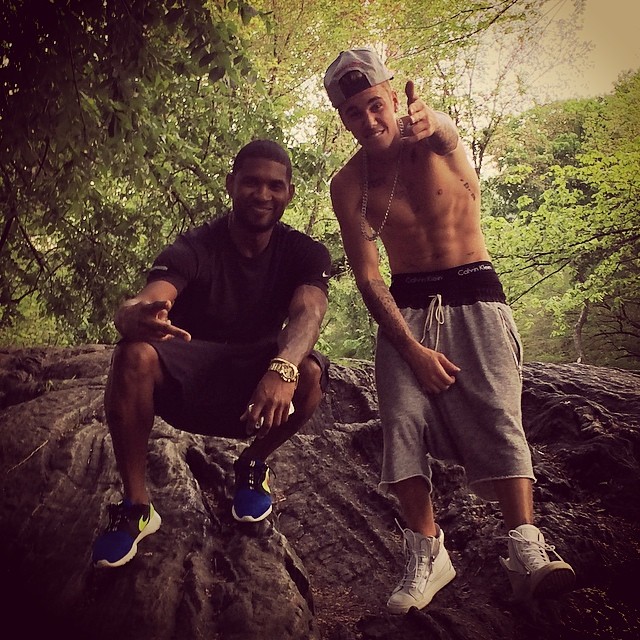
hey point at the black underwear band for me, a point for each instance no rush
(466, 284)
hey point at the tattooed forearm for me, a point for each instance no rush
(445, 138)
(385, 312)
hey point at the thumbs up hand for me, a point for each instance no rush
(423, 120)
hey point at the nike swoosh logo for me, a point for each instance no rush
(143, 522)
(265, 482)
(325, 274)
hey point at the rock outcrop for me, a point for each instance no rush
(323, 565)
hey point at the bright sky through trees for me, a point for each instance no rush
(612, 27)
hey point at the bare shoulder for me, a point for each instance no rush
(344, 183)
(349, 172)
(454, 163)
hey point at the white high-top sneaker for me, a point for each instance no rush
(428, 569)
(530, 571)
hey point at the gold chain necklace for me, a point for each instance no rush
(365, 199)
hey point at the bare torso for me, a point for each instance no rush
(434, 218)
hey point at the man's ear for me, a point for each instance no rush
(396, 102)
(342, 120)
(292, 191)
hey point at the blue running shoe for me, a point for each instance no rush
(128, 524)
(252, 501)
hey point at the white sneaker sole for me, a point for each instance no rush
(551, 580)
(250, 518)
(152, 527)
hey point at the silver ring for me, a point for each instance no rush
(256, 425)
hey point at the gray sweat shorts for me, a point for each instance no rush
(477, 422)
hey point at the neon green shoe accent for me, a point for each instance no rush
(143, 522)
(265, 482)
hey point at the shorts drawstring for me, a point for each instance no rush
(435, 311)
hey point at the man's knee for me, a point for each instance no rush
(135, 360)
(309, 392)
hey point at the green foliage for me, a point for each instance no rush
(117, 123)
(348, 331)
(119, 120)
(570, 240)
(525, 149)
(38, 326)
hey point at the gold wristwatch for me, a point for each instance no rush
(285, 369)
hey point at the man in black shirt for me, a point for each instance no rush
(220, 342)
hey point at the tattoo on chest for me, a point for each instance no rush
(467, 186)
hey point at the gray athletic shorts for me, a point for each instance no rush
(207, 385)
(477, 422)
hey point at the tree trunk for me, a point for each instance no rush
(577, 331)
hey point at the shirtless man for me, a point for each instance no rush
(448, 356)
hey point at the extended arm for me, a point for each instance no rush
(437, 129)
(146, 315)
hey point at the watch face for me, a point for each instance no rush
(286, 372)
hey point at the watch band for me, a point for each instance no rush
(285, 369)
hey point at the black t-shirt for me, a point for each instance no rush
(224, 296)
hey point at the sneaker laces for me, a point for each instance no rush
(532, 553)
(251, 473)
(418, 568)
(118, 515)
(418, 563)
